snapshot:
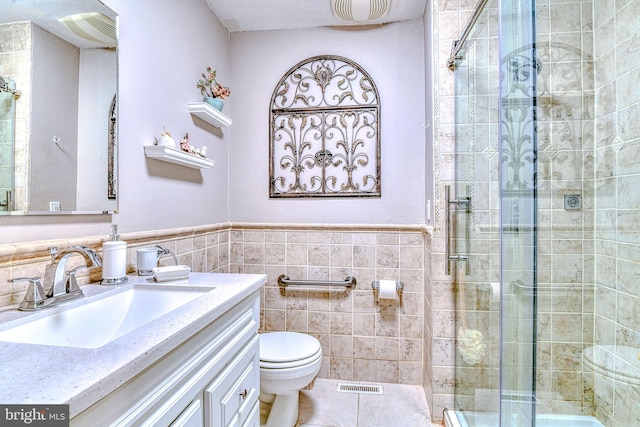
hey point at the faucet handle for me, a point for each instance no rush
(35, 295)
(72, 281)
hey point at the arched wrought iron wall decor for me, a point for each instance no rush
(324, 138)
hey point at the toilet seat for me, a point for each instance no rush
(292, 364)
(281, 350)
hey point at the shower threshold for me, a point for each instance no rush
(490, 419)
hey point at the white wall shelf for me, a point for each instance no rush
(209, 114)
(173, 155)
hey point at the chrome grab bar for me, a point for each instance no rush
(520, 287)
(461, 203)
(284, 281)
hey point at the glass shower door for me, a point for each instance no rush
(494, 236)
(474, 258)
(518, 212)
(547, 155)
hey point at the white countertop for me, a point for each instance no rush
(42, 374)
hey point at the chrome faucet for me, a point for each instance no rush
(58, 281)
(59, 285)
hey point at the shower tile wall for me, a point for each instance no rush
(616, 183)
(15, 56)
(361, 338)
(439, 329)
(565, 236)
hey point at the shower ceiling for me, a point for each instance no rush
(252, 15)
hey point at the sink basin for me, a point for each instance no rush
(104, 319)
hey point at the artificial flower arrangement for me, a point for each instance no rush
(186, 146)
(167, 139)
(209, 86)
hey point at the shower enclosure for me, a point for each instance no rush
(544, 218)
(8, 96)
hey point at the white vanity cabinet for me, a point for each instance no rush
(212, 380)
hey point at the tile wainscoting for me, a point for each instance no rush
(203, 248)
(362, 340)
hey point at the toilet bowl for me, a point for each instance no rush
(289, 361)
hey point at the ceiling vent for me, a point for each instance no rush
(94, 26)
(360, 10)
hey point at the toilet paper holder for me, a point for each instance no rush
(375, 285)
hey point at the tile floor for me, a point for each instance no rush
(399, 406)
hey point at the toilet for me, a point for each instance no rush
(289, 361)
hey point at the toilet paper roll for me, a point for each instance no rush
(387, 289)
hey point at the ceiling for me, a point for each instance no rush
(45, 13)
(255, 15)
(236, 15)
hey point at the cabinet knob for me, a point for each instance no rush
(244, 393)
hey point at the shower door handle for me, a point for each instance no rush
(453, 206)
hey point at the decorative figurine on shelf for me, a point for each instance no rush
(202, 151)
(187, 147)
(212, 91)
(166, 139)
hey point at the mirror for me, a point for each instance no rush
(58, 113)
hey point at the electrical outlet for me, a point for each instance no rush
(54, 206)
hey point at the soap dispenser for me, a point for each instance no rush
(114, 259)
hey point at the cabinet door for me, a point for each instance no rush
(171, 389)
(192, 416)
(253, 420)
(231, 397)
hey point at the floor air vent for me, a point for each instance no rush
(360, 388)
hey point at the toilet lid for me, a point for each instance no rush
(287, 346)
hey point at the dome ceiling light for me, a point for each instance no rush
(360, 10)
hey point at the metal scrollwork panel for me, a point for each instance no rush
(325, 131)
(297, 141)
